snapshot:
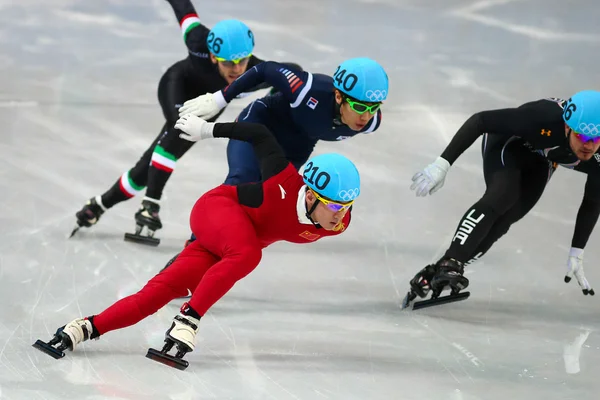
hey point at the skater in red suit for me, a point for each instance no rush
(232, 225)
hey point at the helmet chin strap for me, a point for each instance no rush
(310, 211)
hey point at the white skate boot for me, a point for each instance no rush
(77, 331)
(182, 334)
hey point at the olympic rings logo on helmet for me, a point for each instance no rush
(376, 95)
(589, 129)
(348, 195)
(239, 56)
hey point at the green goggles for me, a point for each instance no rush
(361, 108)
(231, 63)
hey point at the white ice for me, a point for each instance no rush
(78, 107)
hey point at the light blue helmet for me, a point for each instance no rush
(332, 176)
(363, 79)
(582, 113)
(230, 39)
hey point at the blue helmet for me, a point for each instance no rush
(363, 79)
(582, 113)
(230, 39)
(332, 176)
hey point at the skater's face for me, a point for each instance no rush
(583, 146)
(323, 214)
(230, 70)
(355, 114)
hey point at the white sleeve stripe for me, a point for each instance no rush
(304, 91)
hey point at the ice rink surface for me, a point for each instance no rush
(78, 107)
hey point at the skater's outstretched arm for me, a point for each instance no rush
(194, 33)
(507, 121)
(270, 155)
(588, 213)
(291, 82)
(587, 216)
(263, 85)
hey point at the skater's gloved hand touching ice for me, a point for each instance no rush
(575, 267)
(431, 178)
(194, 128)
(206, 106)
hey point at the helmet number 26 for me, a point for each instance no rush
(215, 43)
(346, 81)
(315, 177)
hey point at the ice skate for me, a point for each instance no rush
(146, 217)
(181, 334)
(434, 278)
(89, 214)
(66, 337)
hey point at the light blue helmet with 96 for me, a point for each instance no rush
(582, 113)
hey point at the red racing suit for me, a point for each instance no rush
(232, 225)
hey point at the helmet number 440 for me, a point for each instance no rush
(346, 81)
(319, 179)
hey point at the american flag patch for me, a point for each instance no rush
(292, 78)
(312, 102)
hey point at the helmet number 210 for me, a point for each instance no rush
(346, 81)
(314, 177)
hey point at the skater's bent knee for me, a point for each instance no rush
(246, 258)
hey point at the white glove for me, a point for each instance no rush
(575, 267)
(431, 179)
(206, 106)
(194, 128)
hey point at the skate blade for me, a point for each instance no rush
(441, 300)
(410, 296)
(167, 359)
(147, 240)
(46, 348)
(74, 231)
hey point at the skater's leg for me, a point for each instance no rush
(224, 229)
(536, 173)
(183, 275)
(131, 183)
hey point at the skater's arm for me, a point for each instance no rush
(264, 85)
(270, 155)
(194, 33)
(588, 213)
(293, 84)
(507, 122)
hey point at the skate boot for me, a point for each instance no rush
(446, 273)
(89, 214)
(181, 334)
(449, 274)
(146, 216)
(67, 337)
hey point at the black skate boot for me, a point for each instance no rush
(89, 214)
(147, 216)
(447, 272)
(182, 334)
